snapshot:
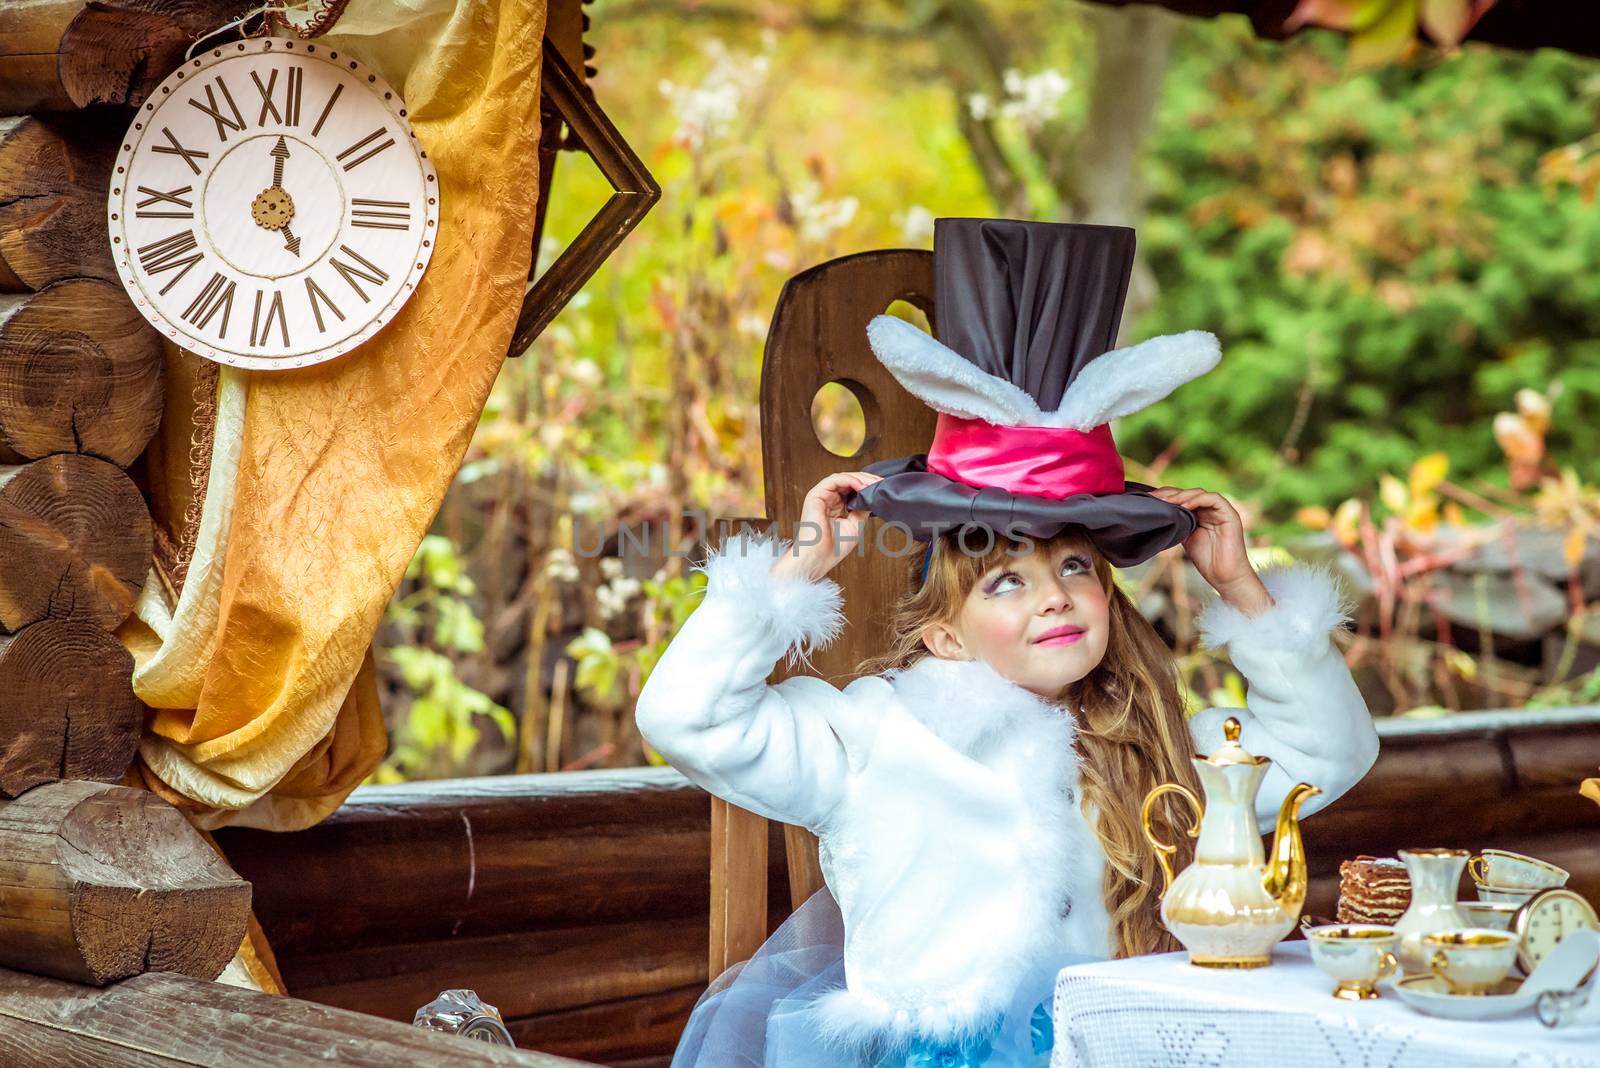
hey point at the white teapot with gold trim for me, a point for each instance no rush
(1230, 907)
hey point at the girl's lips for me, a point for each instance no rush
(1064, 638)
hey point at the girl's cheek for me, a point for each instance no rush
(999, 630)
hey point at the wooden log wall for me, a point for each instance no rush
(80, 380)
(578, 902)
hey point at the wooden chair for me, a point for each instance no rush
(819, 336)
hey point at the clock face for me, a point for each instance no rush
(1548, 918)
(271, 207)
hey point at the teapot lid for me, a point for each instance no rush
(1230, 752)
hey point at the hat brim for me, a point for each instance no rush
(1128, 528)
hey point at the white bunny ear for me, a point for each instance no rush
(943, 379)
(1125, 380)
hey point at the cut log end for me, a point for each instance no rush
(80, 372)
(140, 889)
(55, 173)
(56, 55)
(67, 707)
(75, 534)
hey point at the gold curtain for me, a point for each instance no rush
(321, 482)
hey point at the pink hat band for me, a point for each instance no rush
(1035, 461)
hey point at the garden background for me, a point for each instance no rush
(1399, 250)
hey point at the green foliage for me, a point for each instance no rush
(442, 722)
(1377, 247)
(604, 665)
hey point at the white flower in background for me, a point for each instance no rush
(980, 106)
(610, 566)
(916, 225)
(818, 219)
(1034, 99)
(613, 597)
(560, 565)
(551, 435)
(754, 324)
(707, 110)
(586, 372)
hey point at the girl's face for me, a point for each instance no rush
(1041, 619)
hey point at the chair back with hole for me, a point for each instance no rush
(818, 336)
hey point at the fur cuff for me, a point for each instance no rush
(1308, 605)
(804, 615)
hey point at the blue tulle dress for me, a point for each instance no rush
(760, 1014)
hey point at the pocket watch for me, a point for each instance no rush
(1545, 919)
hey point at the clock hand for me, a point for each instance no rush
(280, 152)
(290, 242)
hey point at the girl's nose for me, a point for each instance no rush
(1056, 599)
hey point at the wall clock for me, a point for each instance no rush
(270, 206)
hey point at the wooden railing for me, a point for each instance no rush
(577, 903)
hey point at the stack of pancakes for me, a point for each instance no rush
(1373, 890)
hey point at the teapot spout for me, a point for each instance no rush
(1285, 878)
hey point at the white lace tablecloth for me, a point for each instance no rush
(1161, 1011)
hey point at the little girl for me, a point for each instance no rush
(977, 803)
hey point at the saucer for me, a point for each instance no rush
(1428, 994)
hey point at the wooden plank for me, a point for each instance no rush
(738, 885)
(160, 1020)
(478, 857)
(521, 974)
(1556, 758)
(612, 1031)
(101, 882)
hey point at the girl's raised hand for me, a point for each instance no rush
(827, 529)
(1217, 549)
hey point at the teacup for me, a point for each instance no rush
(1471, 962)
(1491, 914)
(1355, 956)
(1503, 868)
(1509, 895)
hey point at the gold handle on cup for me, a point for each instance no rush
(1164, 852)
(1438, 964)
(1478, 868)
(1387, 966)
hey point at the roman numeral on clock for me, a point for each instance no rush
(260, 326)
(176, 253)
(350, 272)
(156, 196)
(173, 148)
(363, 143)
(224, 124)
(293, 80)
(327, 109)
(380, 214)
(314, 291)
(216, 296)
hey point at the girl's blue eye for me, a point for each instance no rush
(1078, 564)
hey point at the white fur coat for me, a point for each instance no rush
(945, 796)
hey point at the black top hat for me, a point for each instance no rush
(1025, 389)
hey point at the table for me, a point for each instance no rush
(1160, 1011)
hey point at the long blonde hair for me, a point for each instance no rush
(1131, 737)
